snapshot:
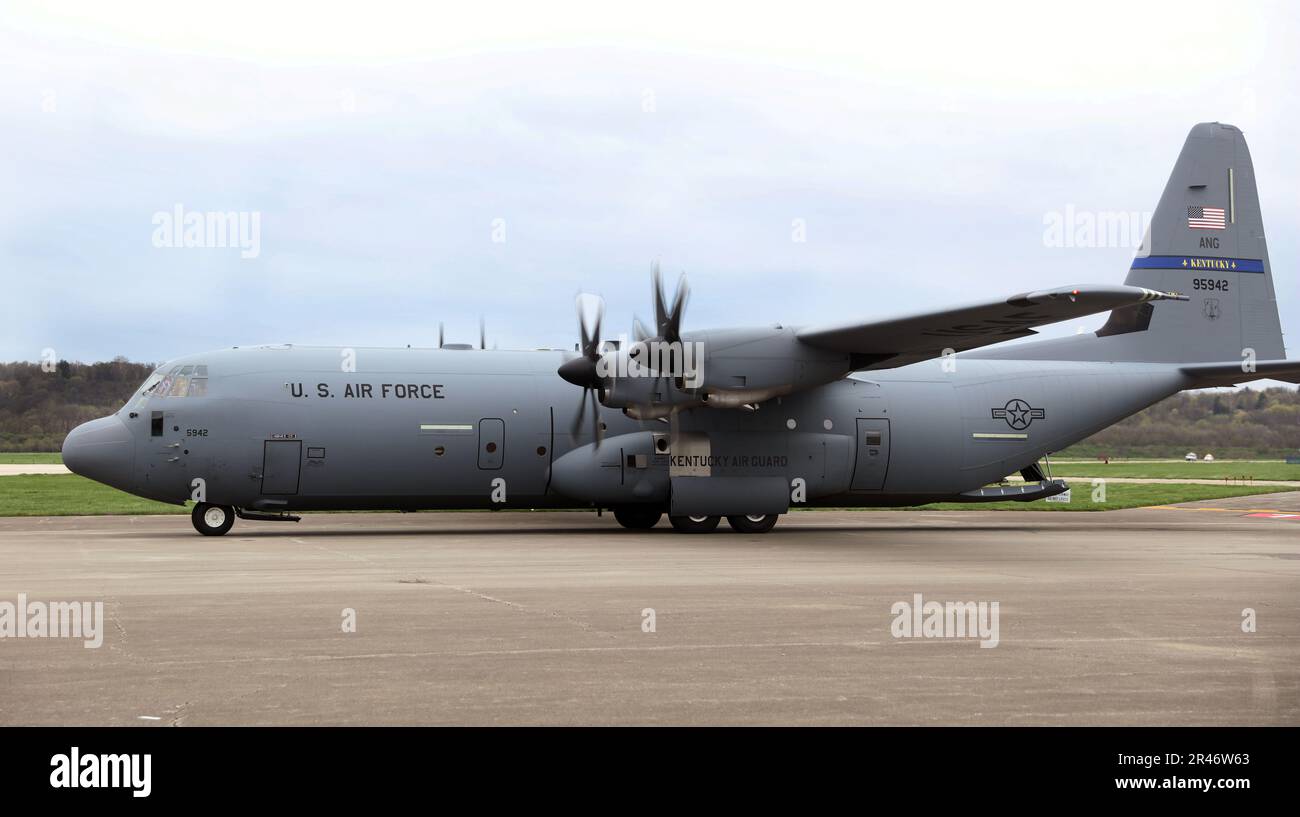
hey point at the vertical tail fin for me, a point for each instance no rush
(1206, 240)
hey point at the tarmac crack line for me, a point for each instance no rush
(582, 625)
(121, 643)
(469, 591)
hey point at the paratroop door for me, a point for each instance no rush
(281, 460)
(873, 455)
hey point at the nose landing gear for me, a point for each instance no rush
(212, 520)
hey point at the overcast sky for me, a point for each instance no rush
(410, 167)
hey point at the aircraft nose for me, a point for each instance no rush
(101, 450)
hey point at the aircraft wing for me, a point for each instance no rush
(894, 342)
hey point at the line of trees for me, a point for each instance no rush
(38, 408)
(1243, 424)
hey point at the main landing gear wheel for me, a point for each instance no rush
(634, 517)
(753, 523)
(212, 520)
(694, 524)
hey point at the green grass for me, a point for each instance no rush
(50, 458)
(1228, 469)
(1118, 495)
(71, 495)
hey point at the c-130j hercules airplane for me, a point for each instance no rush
(743, 423)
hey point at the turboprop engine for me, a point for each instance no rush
(657, 375)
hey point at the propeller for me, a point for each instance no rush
(440, 334)
(581, 371)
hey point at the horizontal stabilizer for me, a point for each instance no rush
(904, 340)
(1207, 375)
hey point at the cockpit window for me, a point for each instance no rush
(150, 384)
(165, 387)
(181, 382)
(177, 381)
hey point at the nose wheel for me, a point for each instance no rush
(212, 520)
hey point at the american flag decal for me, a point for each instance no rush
(1206, 218)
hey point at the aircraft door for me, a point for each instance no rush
(873, 455)
(281, 461)
(491, 443)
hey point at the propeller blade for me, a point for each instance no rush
(578, 418)
(657, 292)
(440, 333)
(590, 346)
(596, 430)
(639, 331)
(482, 333)
(668, 320)
(583, 338)
(679, 309)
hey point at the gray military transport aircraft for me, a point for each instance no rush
(742, 423)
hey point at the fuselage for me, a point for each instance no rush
(305, 428)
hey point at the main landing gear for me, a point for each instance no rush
(637, 517)
(694, 524)
(212, 520)
(640, 517)
(753, 523)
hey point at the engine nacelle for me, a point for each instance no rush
(721, 369)
(752, 365)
